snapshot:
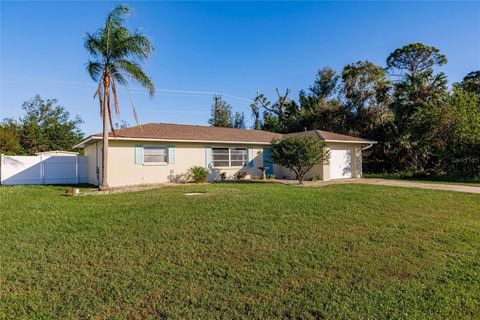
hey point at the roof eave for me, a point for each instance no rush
(350, 141)
(85, 142)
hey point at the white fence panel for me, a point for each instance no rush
(43, 170)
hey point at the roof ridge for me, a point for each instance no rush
(196, 125)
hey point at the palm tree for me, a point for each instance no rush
(115, 56)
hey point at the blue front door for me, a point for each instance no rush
(267, 160)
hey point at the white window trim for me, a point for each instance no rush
(155, 163)
(230, 158)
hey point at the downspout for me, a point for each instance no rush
(97, 171)
(367, 147)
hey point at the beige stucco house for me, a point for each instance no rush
(160, 152)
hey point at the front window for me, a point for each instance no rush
(154, 154)
(229, 157)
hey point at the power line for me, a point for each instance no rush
(83, 85)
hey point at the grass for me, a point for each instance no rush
(240, 251)
(443, 180)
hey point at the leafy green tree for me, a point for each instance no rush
(320, 107)
(299, 154)
(221, 113)
(415, 58)
(10, 131)
(255, 108)
(239, 120)
(326, 83)
(471, 82)
(418, 98)
(367, 94)
(116, 53)
(45, 126)
(314, 113)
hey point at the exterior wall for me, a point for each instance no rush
(317, 171)
(322, 171)
(122, 169)
(358, 162)
(94, 161)
(356, 158)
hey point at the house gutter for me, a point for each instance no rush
(82, 144)
(368, 146)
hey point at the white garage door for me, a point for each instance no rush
(341, 163)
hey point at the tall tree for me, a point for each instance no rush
(239, 120)
(415, 57)
(367, 94)
(276, 116)
(320, 107)
(10, 131)
(221, 113)
(255, 108)
(45, 126)
(326, 83)
(471, 82)
(116, 53)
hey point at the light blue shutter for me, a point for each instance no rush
(139, 154)
(208, 157)
(267, 160)
(250, 157)
(171, 154)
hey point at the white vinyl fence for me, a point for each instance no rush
(43, 169)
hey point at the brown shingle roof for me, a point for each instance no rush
(329, 136)
(175, 132)
(166, 131)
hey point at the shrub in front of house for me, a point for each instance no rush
(223, 176)
(197, 174)
(241, 174)
(299, 154)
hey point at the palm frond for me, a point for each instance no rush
(135, 72)
(117, 16)
(99, 93)
(95, 70)
(137, 45)
(110, 116)
(115, 98)
(134, 109)
(118, 76)
(93, 43)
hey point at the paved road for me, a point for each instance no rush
(395, 183)
(421, 185)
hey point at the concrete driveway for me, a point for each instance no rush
(394, 183)
(421, 185)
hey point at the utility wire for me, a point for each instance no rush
(74, 84)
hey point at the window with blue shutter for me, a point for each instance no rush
(208, 157)
(139, 154)
(250, 157)
(171, 154)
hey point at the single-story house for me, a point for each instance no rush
(161, 152)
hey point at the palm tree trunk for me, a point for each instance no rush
(106, 98)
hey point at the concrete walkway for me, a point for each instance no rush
(393, 183)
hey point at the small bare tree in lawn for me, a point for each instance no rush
(299, 154)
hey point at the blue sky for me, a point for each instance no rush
(226, 47)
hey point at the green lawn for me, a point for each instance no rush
(240, 251)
